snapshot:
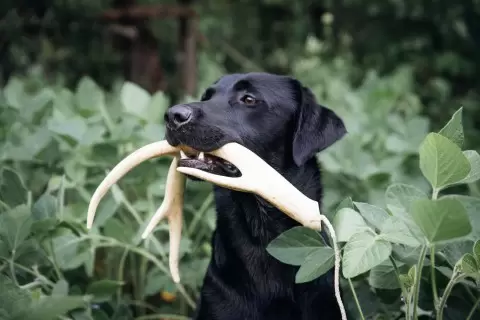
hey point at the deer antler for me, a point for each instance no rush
(172, 205)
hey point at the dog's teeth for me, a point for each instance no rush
(201, 156)
(183, 155)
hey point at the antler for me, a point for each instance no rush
(272, 186)
(260, 178)
(172, 205)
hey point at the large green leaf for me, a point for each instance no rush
(48, 308)
(441, 220)
(442, 161)
(453, 130)
(374, 215)
(135, 100)
(396, 230)
(383, 276)
(348, 222)
(399, 197)
(12, 298)
(316, 264)
(472, 207)
(363, 252)
(295, 244)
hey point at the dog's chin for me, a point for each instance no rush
(192, 158)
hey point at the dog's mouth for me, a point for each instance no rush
(192, 158)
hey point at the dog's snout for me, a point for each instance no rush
(178, 115)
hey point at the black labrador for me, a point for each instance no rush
(278, 119)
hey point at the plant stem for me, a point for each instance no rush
(418, 277)
(200, 213)
(397, 274)
(356, 299)
(432, 274)
(472, 312)
(448, 290)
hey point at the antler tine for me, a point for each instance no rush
(149, 151)
(172, 207)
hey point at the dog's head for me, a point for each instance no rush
(274, 116)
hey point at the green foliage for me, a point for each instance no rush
(388, 247)
(55, 147)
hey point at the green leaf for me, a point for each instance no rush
(14, 92)
(15, 227)
(12, 188)
(383, 276)
(476, 251)
(397, 230)
(453, 130)
(472, 207)
(45, 207)
(407, 281)
(49, 308)
(442, 162)
(157, 107)
(453, 252)
(348, 222)
(75, 127)
(399, 197)
(441, 220)
(65, 249)
(374, 215)
(295, 244)
(469, 265)
(474, 160)
(345, 203)
(89, 96)
(135, 100)
(316, 264)
(102, 290)
(60, 288)
(13, 299)
(363, 252)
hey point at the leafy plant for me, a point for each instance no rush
(394, 245)
(55, 147)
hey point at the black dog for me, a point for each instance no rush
(278, 119)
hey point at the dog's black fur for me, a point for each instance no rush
(278, 119)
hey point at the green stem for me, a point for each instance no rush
(356, 299)
(120, 272)
(455, 278)
(472, 312)
(432, 274)
(199, 215)
(418, 277)
(397, 274)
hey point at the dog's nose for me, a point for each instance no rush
(178, 115)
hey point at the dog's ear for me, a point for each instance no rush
(315, 127)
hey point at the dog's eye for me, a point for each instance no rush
(248, 100)
(207, 95)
